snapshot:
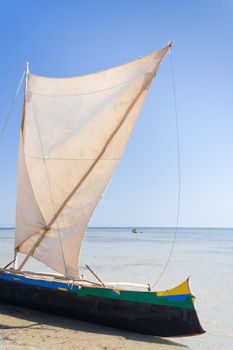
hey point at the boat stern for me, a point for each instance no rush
(181, 310)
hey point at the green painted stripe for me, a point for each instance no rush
(181, 301)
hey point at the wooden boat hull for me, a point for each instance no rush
(142, 317)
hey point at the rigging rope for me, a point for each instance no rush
(11, 106)
(6, 122)
(178, 169)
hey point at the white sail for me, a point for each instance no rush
(75, 131)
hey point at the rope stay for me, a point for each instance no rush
(178, 173)
(11, 106)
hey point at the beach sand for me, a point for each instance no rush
(29, 329)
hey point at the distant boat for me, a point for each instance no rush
(73, 134)
(134, 230)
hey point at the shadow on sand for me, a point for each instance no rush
(39, 318)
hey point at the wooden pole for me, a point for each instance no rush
(88, 267)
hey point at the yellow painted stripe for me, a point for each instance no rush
(183, 288)
(117, 291)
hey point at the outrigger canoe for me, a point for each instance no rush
(165, 313)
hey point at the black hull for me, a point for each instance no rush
(145, 318)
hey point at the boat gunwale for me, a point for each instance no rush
(50, 277)
(77, 282)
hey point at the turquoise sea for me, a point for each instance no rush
(204, 254)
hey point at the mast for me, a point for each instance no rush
(22, 124)
(25, 94)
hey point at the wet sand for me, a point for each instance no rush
(28, 329)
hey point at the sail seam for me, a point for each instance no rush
(82, 159)
(89, 92)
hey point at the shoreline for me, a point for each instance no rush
(25, 329)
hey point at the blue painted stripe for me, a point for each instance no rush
(179, 297)
(37, 282)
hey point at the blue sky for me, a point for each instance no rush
(69, 38)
